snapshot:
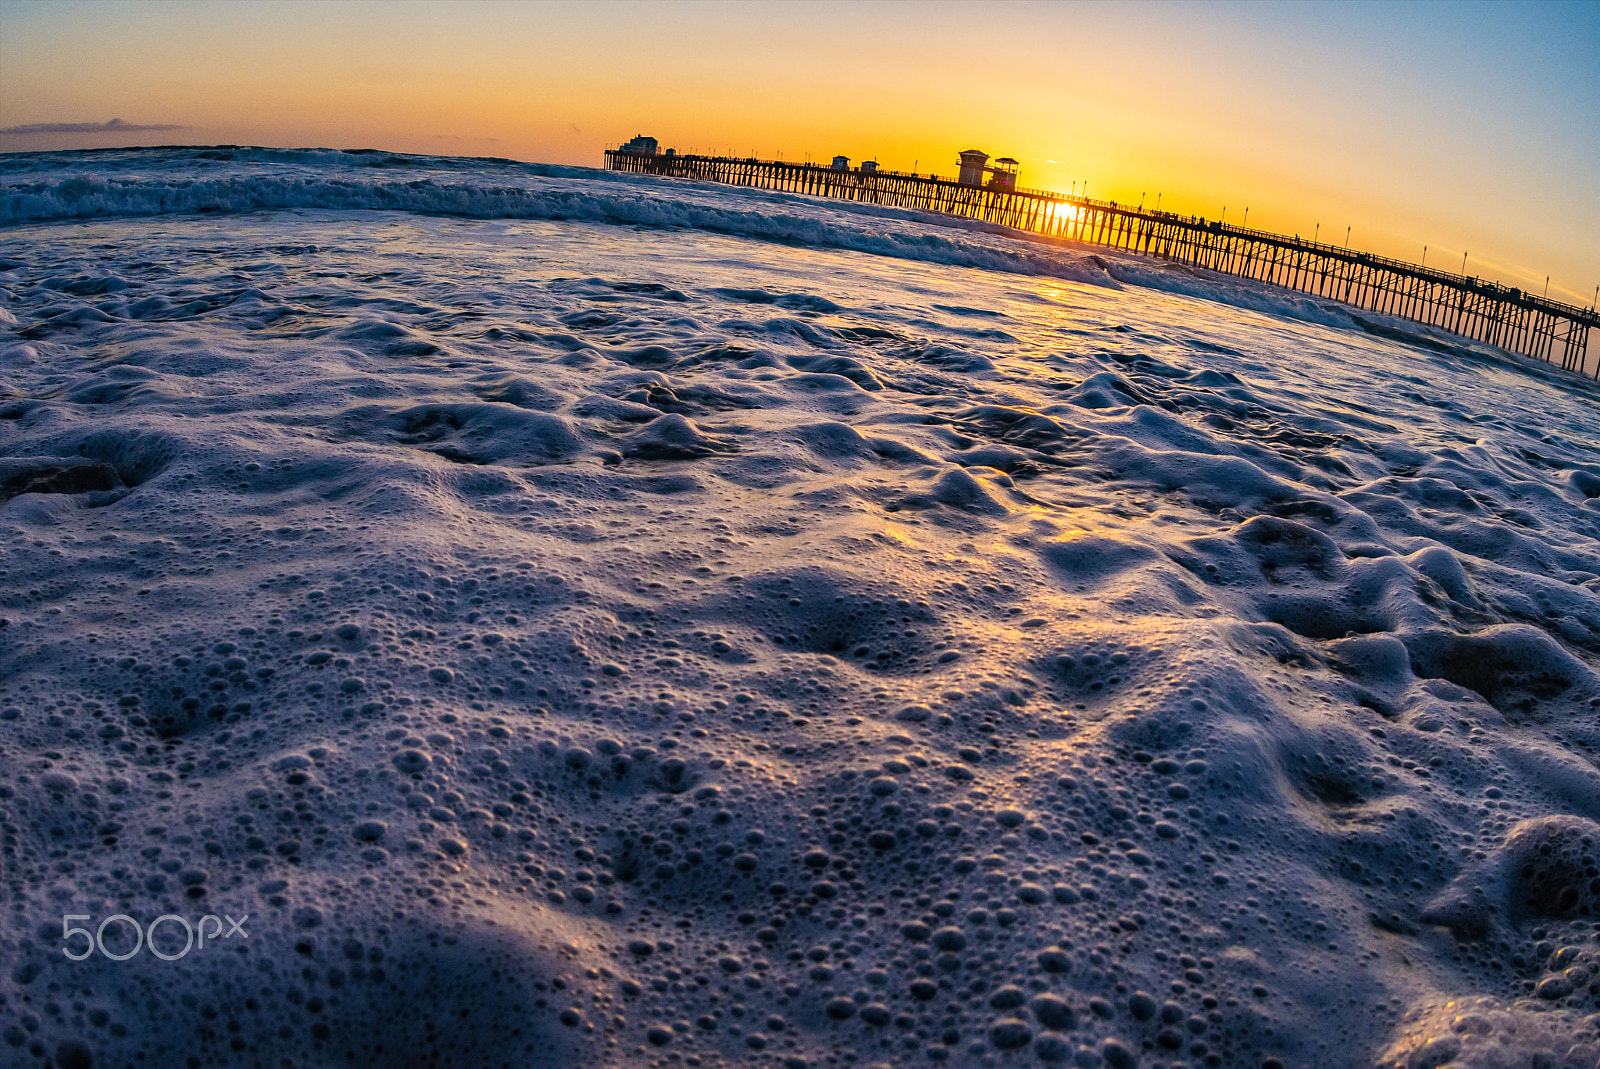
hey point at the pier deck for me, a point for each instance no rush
(1471, 307)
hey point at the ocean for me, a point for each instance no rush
(458, 612)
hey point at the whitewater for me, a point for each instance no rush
(577, 619)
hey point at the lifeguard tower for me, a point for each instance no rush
(1003, 175)
(975, 164)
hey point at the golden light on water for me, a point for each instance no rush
(1370, 121)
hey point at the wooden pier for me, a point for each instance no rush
(1485, 311)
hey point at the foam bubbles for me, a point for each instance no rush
(667, 646)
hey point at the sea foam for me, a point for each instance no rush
(622, 622)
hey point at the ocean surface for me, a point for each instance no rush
(577, 619)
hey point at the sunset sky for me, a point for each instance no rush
(1466, 127)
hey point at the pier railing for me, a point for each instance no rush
(1486, 311)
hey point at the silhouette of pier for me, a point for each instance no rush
(1471, 307)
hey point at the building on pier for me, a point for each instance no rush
(975, 164)
(841, 163)
(641, 146)
(1003, 175)
(869, 167)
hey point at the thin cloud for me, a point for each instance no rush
(115, 126)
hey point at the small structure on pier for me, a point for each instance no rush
(975, 164)
(641, 146)
(869, 167)
(841, 163)
(1003, 175)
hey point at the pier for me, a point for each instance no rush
(1474, 308)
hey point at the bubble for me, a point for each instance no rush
(1007, 997)
(839, 1009)
(1053, 1012)
(369, 831)
(412, 762)
(1051, 1048)
(1554, 987)
(1053, 959)
(1118, 1055)
(1009, 1033)
(58, 782)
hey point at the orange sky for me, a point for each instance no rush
(1464, 127)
